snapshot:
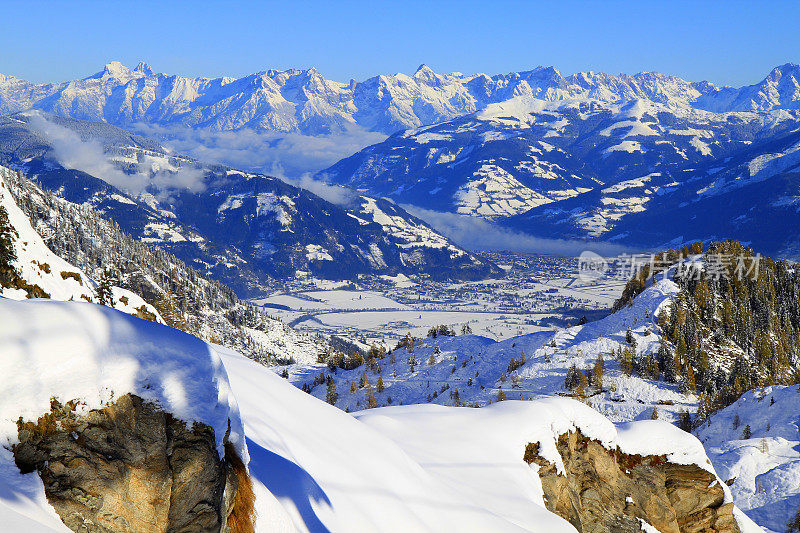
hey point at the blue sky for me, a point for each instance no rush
(726, 42)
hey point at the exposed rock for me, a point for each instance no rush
(131, 467)
(608, 491)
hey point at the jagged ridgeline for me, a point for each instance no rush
(186, 299)
(734, 325)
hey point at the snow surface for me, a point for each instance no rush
(492, 192)
(421, 467)
(764, 470)
(95, 354)
(316, 468)
(476, 366)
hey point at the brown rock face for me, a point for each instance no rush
(131, 467)
(607, 491)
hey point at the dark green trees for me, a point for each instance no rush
(8, 273)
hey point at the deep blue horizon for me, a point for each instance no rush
(732, 43)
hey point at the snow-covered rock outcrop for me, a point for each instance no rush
(314, 467)
(126, 421)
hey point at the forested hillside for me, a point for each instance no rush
(733, 326)
(184, 298)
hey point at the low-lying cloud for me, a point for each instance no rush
(291, 157)
(479, 234)
(335, 194)
(246, 149)
(89, 156)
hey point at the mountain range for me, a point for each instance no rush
(304, 101)
(634, 159)
(640, 169)
(641, 160)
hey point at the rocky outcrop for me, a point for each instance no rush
(131, 467)
(607, 491)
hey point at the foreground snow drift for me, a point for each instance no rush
(423, 467)
(316, 468)
(94, 354)
(764, 469)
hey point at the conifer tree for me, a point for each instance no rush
(583, 382)
(572, 379)
(331, 396)
(597, 375)
(626, 364)
(629, 338)
(372, 402)
(704, 407)
(747, 432)
(794, 524)
(654, 414)
(501, 395)
(379, 386)
(456, 399)
(685, 421)
(8, 272)
(689, 384)
(104, 294)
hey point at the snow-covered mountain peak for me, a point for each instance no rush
(787, 69)
(549, 73)
(144, 68)
(426, 74)
(116, 70)
(780, 89)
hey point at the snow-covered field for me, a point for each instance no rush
(471, 369)
(537, 293)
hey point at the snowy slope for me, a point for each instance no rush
(316, 468)
(637, 172)
(37, 265)
(341, 475)
(476, 368)
(764, 470)
(80, 236)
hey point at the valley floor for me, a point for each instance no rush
(538, 293)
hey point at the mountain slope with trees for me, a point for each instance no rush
(184, 298)
(245, 229)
